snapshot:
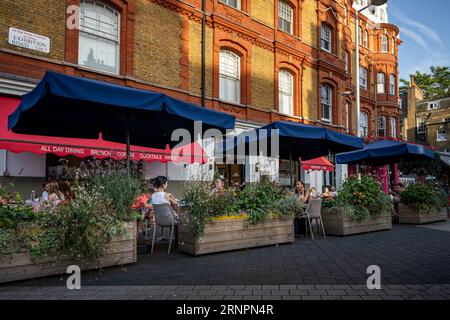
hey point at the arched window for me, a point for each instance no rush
(99, 37)
(392, 84)
(394, 127)
(364, 124)
(326, 38)
(285, 17)
(363, 77)
(233, 3)
(381, 126)
(286, 92)
(366, 39)
(393, 46)
(381, 83)
(229, 83)
(327, 103)
(360, 35)
(384, 44)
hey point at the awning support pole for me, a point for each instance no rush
(291, 168)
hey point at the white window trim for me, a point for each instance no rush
(392, 84)
(329, 105)
(384, 127)
(394, 126)
(384, 44)
(330, 40)
(238, 4)
(93, 35)
(364, 124)
(238, 78)
(421, 128)
(363, 71)
(285, 93)
(291, 22)
(433, 106)
(441, 137)
(381, 84)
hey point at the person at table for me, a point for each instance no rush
(55, 196)
(219, 186)
(160, 195)
(143, 201)
(44, 196)
(300, 192)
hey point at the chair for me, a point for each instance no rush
(313, 212)
(163, 217)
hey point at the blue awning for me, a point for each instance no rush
(386, 152)
(68, 106)
(299, 140)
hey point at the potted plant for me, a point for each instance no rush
(259, 215)
(421, 203)
(96, 228)
(359, 207)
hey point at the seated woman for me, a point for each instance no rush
(219, 186)
(55, 196)
(160, 195)
(300, 192)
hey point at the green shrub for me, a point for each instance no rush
(422, 197)
(198, 200)
(288, 207)
(360, 200)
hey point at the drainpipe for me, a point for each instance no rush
(203, 52)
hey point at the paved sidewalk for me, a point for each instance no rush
(237, 292)
(414, 263)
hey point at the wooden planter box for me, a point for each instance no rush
(340, 225)
(20, 265)
(234, 234)
(408, 215)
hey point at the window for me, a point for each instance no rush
(326, 38)
(384, 43)
(286, 92)
(366, 39)
(233, 3)
(393, 46)
(382, 126)
(392, 85)
(364, 124)
(420, 125)
(346, 61)
(229, 83)
(363, 77)
(441, 135)
(327, 103)
(380, 82)
(433, 105)
(382, 15)
(360, 35)
(285, 17)
(98, 45)
(393, 127)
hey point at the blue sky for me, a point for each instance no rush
(425, 31)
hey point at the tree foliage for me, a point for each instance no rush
(435, 85)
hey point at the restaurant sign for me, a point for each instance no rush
(25, 39)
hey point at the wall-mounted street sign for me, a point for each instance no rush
(28, 40)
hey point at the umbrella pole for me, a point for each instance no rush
(291, 173)
(128, 151)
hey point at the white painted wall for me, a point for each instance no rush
(25, 164)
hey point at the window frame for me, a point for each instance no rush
(382, 128)
(392, 84)
(328, 104)
(282, 92)
(381, 83)
(224, 76)
(365, 131)
(283, 4)
(393, 125)
(238, 4)
(384, 44)
(441, 137)
(366, 39)
(420, 125)
(117, 41)
(363, 71)
(324, 27)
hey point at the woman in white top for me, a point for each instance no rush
(160, 195)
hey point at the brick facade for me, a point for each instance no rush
(160, 49)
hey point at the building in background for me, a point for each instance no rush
(265, 61)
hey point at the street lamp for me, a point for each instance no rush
(376, 3)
